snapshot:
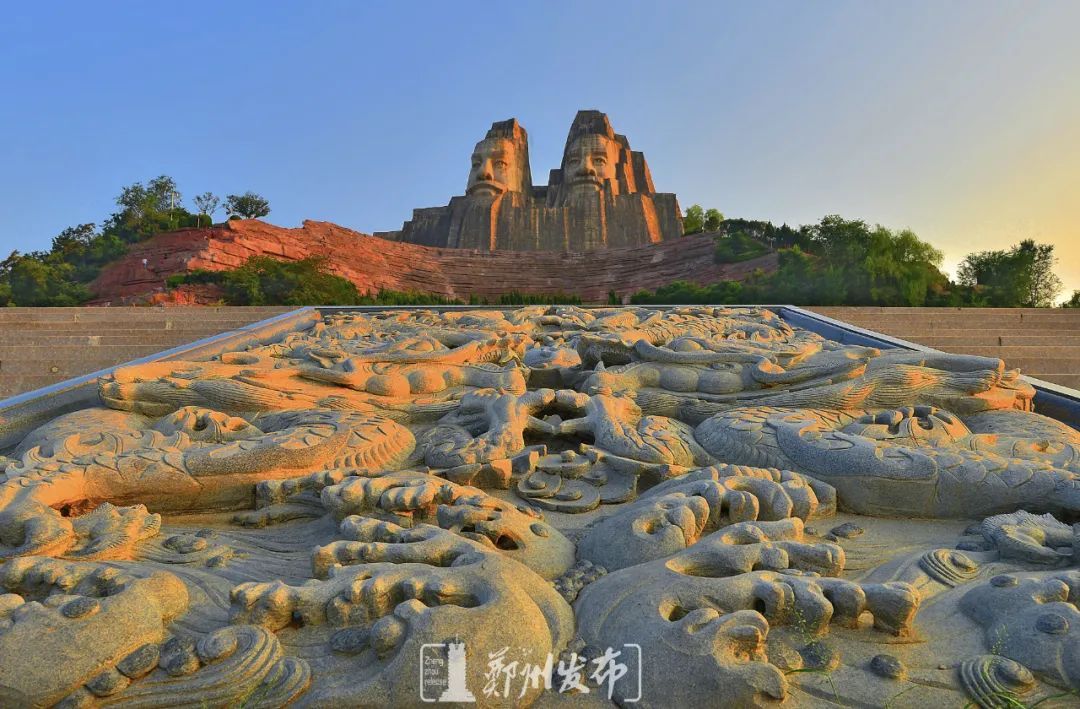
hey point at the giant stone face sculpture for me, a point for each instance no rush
(601, 195)
(590, 165)
(678, 507)
(500, 162)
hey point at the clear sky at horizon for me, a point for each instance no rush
(959, 120)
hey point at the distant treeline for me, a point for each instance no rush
(848, 262)
(834, 262)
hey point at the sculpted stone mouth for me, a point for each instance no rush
(594, 182)
(486, 187)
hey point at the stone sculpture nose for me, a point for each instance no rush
(587, 168)
(485, 171)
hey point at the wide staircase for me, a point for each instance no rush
(42, 346)
(1042, 342)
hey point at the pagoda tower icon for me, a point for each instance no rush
(456, 691)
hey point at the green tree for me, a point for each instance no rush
(834, 262)
(1022, 276)
(1041, 284)
(694, 219)
(1074, 301)
(713, 220)
(148, 209)
(207, 203)
(36, 282)
(158, 195)
(72, 243)
(247, 206)
(5, 278)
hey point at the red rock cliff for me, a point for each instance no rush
(373, 263)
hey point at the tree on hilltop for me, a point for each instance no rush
(696, 220)
(693, 220)
(207, 203)
(157, 195)
(148, 209)
(246, 206)
(713, 220)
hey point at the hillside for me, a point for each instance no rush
(374, 264)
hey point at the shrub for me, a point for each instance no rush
(736, 247)
(396, 297)
(267, 281)
(516, 298)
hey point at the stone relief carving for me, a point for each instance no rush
(766, 515)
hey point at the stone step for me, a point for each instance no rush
(164, 339)
(189, 330)
(61, 368)
(920, 336)
(1066, 380)
(55, 360)
(1006, 313)
(73, 351)
(1000, 340)
(18, 384)
(1035, 365)
(117, 331)
(96, 314)
(880, 310)
(938, 327)
(111, 325)
(138, 319)
(1010, 352)
(145, 308)
(874, 311)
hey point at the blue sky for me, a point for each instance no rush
(960, 120)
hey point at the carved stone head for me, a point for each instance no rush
(500, 162)
(589, 165)
(596, 159)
